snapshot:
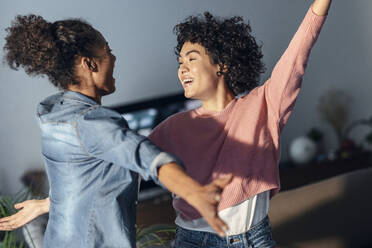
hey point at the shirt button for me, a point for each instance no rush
(135, 225)
(136, 202)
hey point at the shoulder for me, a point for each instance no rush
(100, 112)
(52, 99)
(100, 119)
(48, 103)
(171, 124)
(252, 95)
(177, 119)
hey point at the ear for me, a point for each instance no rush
(224, 68)
(89, 64)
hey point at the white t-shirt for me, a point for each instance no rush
(239, 218)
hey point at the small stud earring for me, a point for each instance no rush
(219, 73)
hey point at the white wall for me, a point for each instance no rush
(140, 34)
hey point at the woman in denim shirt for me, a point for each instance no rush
(91, 157)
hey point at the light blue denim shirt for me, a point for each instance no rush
(92, 161)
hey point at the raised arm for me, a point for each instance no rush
(282, 88)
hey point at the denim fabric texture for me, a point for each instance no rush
(92, 160)
(259, 236)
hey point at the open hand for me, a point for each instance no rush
(206, 201)
(29, 210)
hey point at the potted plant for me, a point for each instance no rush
(155, 236)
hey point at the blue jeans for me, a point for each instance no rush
(259, 236)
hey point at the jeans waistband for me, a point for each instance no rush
(254, 230)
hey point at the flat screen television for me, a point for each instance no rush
(143, 116)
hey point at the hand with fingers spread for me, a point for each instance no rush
(28, 211)
(203, 198)
(206, 201)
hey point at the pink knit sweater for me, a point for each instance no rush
(242, 139)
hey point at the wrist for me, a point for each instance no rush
(192, 194)
(44, 208)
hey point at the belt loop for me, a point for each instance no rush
(205, 239)
(227, 241)
(245, 240)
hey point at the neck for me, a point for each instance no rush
(219, 100)
(89, 92)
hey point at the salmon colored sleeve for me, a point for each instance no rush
(282, 88)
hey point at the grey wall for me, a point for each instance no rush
(140, 34)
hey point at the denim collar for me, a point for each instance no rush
(76, 96)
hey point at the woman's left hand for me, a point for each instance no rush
(29, 210)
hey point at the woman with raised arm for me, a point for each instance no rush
(91, 157)
(219, 59)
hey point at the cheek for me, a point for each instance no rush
(179, 74)
(208, 74)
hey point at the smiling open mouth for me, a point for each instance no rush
(187, 82)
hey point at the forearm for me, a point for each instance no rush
(321, 7)
(41, 206)
(173, 177)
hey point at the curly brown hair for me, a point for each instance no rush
(229, 43)
(50, 49)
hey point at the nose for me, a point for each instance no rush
(183, 69)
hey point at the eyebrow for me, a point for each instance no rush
(191, 51)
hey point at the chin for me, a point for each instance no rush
(192, 95)
(112, 91)
(108, 91)
(189, 96)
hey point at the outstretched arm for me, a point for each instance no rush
(28, 211)
(321, 7)
(203, 198)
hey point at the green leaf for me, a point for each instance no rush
(155, 235)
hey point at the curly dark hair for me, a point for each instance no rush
(50, 49)
(229, 43)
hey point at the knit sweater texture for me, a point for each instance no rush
(243, 138)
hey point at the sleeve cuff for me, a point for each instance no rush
(161, 159)
(315, 21)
